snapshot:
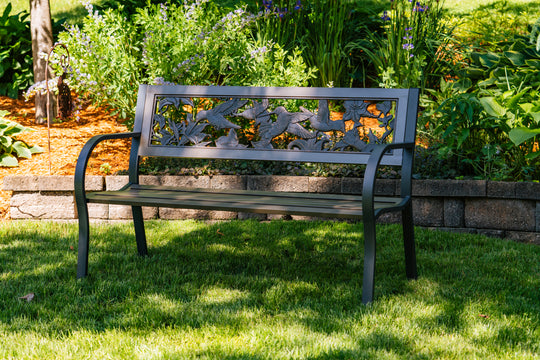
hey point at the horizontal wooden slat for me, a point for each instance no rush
(310, 204)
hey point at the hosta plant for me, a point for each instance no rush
(10, 148)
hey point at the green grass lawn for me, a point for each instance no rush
(249, 290)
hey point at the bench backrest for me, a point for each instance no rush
(284, 124)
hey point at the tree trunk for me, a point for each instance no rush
(42, 42)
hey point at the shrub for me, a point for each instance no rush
(187, 44)
(488, 120)
(16, 72)
(11, 148)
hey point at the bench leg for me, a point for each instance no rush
(84, 240)
(368, 284)
(408, 240)
(140, 235)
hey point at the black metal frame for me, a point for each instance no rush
(374, 160)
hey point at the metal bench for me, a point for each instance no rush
(285, 124)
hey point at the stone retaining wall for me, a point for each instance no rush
(499, 209)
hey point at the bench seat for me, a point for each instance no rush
(265, 202)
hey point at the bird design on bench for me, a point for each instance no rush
(216, 116)
(285, 122)
(321, 121)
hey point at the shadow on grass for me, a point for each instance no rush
(232, 275)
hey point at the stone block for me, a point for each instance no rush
(231, 182)
(278, 217)
(49, 183)
(255, 216)
(449, 188)
(528, 190)
(184, 214)
(454, 213)
(98, 211)
(499, 214)
(388, 187)
(324, 185)
(113, 183)
(501, 189)
(51, 205)
(278, 183)
(123, 212)
(524, 237)
(185, 181)
(428, 212)
(393, 217)
(537, 216)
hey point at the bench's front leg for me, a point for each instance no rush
(140, 236)
(84, 239)
(370, 249)
(408, 241)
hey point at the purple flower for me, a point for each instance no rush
(408, 46)
(385, 16)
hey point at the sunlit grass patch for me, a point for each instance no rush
(278, 290)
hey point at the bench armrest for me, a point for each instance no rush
(84, 156)
(370, 175)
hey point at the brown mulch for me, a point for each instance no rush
(67, 140)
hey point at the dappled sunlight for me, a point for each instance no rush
(280, 290)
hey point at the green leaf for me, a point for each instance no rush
(516, 58)
(489, 60)
(36, 149)
(536, 116)
(8, 160)
(22, 150)
(5, 141)
(521, 134)
(492, 107)
(527, 107)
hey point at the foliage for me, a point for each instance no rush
(16, 72)
(325, 31)
(490, 25)
(488, 120)
(188, 44)
(413, 50)
(105, 60)
(11, 148)
(271, 290)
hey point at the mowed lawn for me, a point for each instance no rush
(275, 290)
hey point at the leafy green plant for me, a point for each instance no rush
(323, 29)
(11, 148)
(16, 72)
(191, 43)
(412, 50)
(488, 121)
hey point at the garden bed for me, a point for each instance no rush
(67, 140)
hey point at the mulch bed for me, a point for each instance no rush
(67, 140)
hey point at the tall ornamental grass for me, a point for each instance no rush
(412, 50)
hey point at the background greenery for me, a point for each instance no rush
(277, 290)
(476, 63)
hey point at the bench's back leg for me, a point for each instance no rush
(84, 238)
(140, 236)
(370, 240)
(408, 240)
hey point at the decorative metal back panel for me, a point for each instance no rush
(270, 123)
